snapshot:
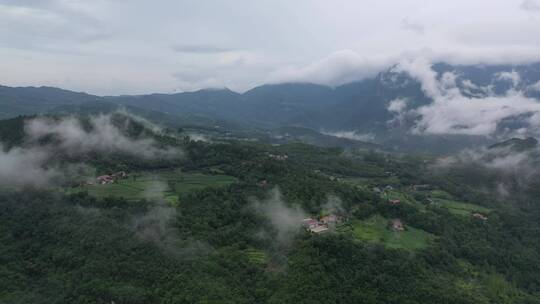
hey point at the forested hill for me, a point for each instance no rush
(95, 218)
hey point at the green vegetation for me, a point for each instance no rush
(376, 229)
(256, 256)
(226, 242)
(187, 182)
(394, 194)
(460, 208)
(168, 183)
(446, 200)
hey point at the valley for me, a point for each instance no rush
(208, 215)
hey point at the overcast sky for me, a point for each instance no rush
(140, 46)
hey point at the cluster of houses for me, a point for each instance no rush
(321, 225)
(109, 179)
(280, 157)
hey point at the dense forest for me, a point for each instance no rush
(243, 242)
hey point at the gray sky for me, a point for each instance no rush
(141, 46)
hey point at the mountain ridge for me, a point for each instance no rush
(360, 106)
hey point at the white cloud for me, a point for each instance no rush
(104, 136)
(34, 164)
(351, 135)
(512, 76)
(512, 170)
(530, 5)
(410, 25)
(19, 167)
(397, 105)
(286, 220)
(535, 87)
(399, 108)
(453, 113)
(338, 68)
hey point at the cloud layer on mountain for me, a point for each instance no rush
(453, 112)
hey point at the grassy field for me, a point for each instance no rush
(197, 181)
(440, 194)
(159, 184)
(375, 230)
(394, 194)
(445, 200)
(362, 182)
(460, 208)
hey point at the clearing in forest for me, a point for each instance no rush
(376, 230)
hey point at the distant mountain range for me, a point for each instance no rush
(359, 107)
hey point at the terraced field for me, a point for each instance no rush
(159, 184)
(256, 256)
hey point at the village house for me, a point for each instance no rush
(397, 225)
(319, 229)
(109, 179)
(394, 201)
(105, 179)
(325, 223)
(479, 216)
(310, 223)
(330, 220)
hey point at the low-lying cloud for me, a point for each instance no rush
(338, 68)
(530, 5)
(34, 163)
(367, 137)
(535, 87)
(285, 220)
(102, 136)
(511, 170)
(158, 225)
(452, 112)
(19, 167)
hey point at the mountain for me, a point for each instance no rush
(289, 103)
(221, 104)
(32, 100)
(102, 106)
(360, 107)
(517, 144)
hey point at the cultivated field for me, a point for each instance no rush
(156, 184)
(376, 230)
